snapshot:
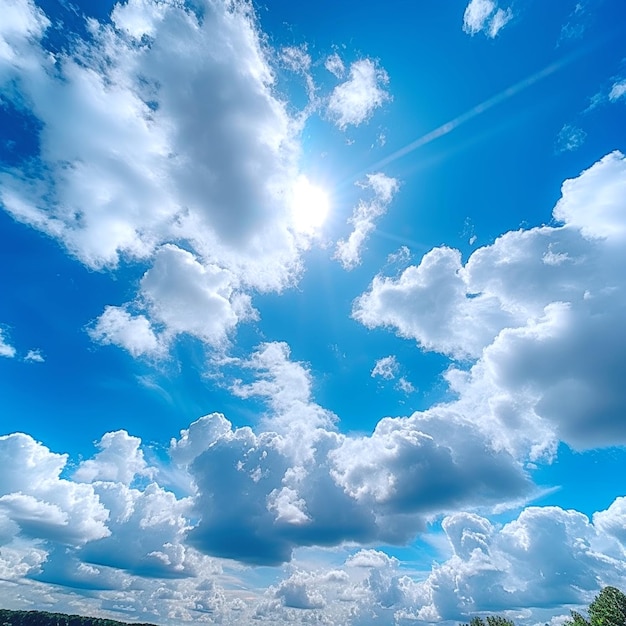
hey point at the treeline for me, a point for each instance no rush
(43, 618)
(607, 609)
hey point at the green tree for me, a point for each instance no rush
(491, 620)
(608, 608)
(576, 620)
(497, 620)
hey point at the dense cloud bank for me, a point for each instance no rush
(109, 526)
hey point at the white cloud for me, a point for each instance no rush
(618, 90)
(119, 460)
(296, 58)
(303, 483)
(594, 202)
(42, 504)
(537, 312)
(133, 332)
(354, 101)
(570, 138)
(612, 521)
(485, 16)
(132, 165)
(178, 294)
(428, 302)
(34, 356)
(364, 218)
(6, 349)
(335, 65)
(187, 296)
(386, 368)
(297, 592)
(545, 557)
(405, 386)
(138, 548)
(287, 388)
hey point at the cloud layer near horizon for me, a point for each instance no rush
(110, 526)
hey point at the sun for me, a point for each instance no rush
(310, 206)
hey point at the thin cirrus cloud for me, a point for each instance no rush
(364, 218)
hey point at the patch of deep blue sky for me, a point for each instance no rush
(499, 171)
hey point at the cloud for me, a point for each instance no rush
(405, 386)
(354, 101)
(77, 531)
(386, 368)
(577, 23)
(119, 460)
(42, 504)
(186, 296)
(335, 65)
(618, 90)
(304, 484)
(298, 60)
(133, 332)
(162, 140)
(257, 502)
(546, 557)
(485, 16)
(364, 217)
(428, 303)
(6, 349)
(287, 387)
(535, 313)
(524, 565)
(570, 138)
(34, 356)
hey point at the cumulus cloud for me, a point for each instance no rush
(6, 349)
(120, 459)
(364, 217)
(354, 101)
(546, 557)
(302, 483)
(485, 16)
(161, 140)
(536, 313)
(256, 501)
(80, 532)
(39, 502)
(133, 332)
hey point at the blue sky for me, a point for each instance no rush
(312, 313)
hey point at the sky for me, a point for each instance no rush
(312, 312)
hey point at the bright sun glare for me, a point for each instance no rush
(310, 206)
